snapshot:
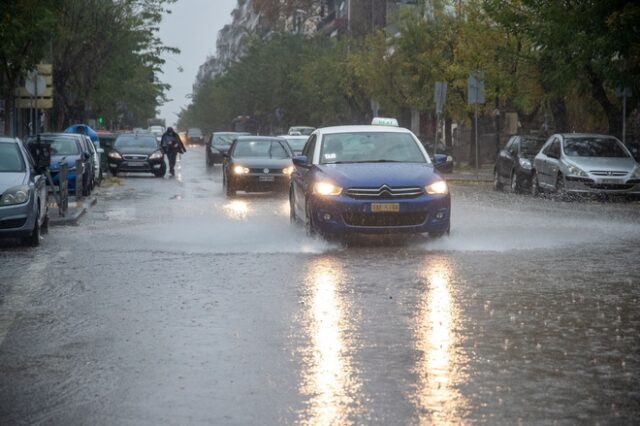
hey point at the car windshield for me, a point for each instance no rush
(531, 146)
(63, 146)
(370, 147)
(223, 138)
(594, 147)
(11, 160)
(296, 144)
(194, 132)
(136, 141)
(260, 149)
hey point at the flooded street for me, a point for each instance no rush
(171, 304)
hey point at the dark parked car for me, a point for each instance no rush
(218, 145)
(68, 148)
(257, 164)
(23, 194)
(514, 165)
(138, 153)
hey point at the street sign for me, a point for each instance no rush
(475, 88)
(35, 84)
(623, 92)
(440, 96)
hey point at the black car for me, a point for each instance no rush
(137, 152)
(257, 164)
(514, 163)
(194, 135)
(218, 144)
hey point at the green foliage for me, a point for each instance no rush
(106, 57)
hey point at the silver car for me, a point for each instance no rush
(585, 163)
(23, 194)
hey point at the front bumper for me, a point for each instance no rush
(598, 185)
(128, 166)
(18, 220)
(260, 182)
(343, 214)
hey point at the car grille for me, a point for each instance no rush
(12, 223)
(268, 171)
(134, 157)
(611, 186)
(384, 192)
(608, 173)
(384, 219)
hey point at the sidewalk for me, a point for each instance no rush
(465, 173)
(76, 210)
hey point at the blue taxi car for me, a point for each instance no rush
(375, 179)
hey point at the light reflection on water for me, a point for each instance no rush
(328, 375)
(237, 209)
(438, 369)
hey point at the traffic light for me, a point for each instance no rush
(100, 120)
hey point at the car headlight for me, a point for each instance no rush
(115, 155)
(326, 188)
(524, 163)
(288, 170)
(449, 158)
(240, 170)
(15, 195)
(576, 171)
(636, 174)
(156, 155)
(439, 187)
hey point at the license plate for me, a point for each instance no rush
(611, 181)
(385, 207)
(266, 178)
(132, 164)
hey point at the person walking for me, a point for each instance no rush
(172, 146)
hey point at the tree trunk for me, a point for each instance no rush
(448, 142)
(613, 113)
(472, 143)
(560, 115)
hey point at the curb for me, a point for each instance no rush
(73, 214)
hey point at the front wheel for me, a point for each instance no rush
(163, 171)
(229, 191)
(114, 172)
(560, 187)
(33, 240)
(515, 184)
(497, 185)
(309, 226)
(292, 208)
(535, 185)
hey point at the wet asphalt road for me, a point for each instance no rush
(170, 304)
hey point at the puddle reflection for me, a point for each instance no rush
(438, 369)
(237, 209)
(328, 377)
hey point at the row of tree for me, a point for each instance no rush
(106, 56)
(559, 60)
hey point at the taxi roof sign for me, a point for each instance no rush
(384, 121)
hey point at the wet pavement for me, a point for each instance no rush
(170, 304)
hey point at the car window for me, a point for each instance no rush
(513, 148)
(223, 139)
(531, 146)
(296, 144)
(368, 147)
(509, 144)
(135, 141)
(11, 160)
(594, 147)
(63, 145)
(260, 149)
(309, 148)
(553, 149)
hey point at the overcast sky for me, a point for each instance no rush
(192, 27)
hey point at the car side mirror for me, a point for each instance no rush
(86, 155)
(301, 161)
